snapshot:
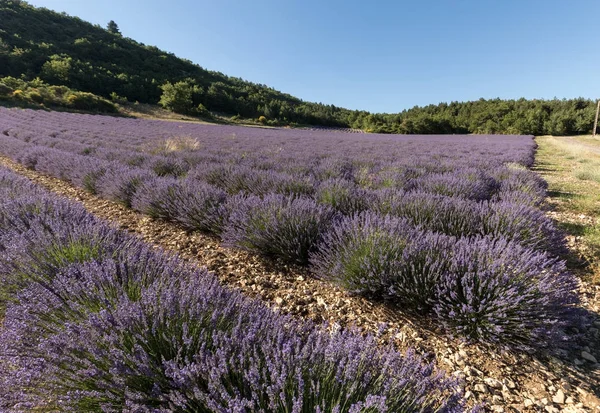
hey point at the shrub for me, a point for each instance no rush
(524, 224)
(362, 252)
(202, 111)
(448, 215)
(498, 291)
(344, 196)
(465, 183)
(482, 288)
(278, 226)
(89, 101)
(201, 207)
(35, 96)
(29, 158)
(195, 205)
(117, 99)
(520, 185)
(236, 178)
(383, 256)
(169, 167)
(154, 196)
(331, 168)
(120, 184)
(91, 178)
(5, 90)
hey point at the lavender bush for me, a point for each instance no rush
(278, 226)
(363, 252)
(169, 167)
(236, 178)
(460, 217)
(120, 184)
(195, 205)
(448, 215)
(467, 183)
(484, 288)
(499, 291)
(385, 257)
(344, 196)
(528, 226)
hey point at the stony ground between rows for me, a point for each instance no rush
(558, 380)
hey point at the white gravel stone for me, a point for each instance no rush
(493, 383)
(559, 397)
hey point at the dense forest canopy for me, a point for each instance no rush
(65, 50)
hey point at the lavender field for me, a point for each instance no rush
(444, 227)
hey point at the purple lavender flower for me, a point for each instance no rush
(279, 226)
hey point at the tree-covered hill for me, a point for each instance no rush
(64, 50)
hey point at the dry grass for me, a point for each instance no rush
(155, 112)
(175, 144)
(571, 165)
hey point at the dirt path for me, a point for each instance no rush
(506, 381)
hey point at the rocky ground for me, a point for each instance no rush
(556, 380)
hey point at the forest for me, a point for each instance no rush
(40, 45)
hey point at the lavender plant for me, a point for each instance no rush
(279, 226)
(344, 196)
(362, 252)
(384, 257)
(195, 205)
(499, 291)
(479, 287)
(120, 184)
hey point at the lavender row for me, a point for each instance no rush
(205, 207)
(291, 151)
(481, 288)
(282, 144)
(98, 321)
(241, 163)
(257, 175)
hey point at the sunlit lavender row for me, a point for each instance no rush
(447, 226)
(94, 320)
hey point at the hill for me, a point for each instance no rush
(65, 50)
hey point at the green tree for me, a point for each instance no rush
(57, 69)
(113, 28)
(177, 97)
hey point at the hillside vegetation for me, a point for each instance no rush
(36, 93)
(65, 50)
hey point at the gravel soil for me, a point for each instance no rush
(554, 380)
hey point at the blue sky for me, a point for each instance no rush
(381, 56)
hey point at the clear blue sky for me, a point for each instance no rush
(381, 56)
